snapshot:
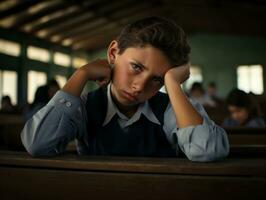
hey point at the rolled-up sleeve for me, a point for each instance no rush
(49, 131)
(205, 142)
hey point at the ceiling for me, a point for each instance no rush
(90, 24)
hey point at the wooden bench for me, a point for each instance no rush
(247, 141)
(10, 119)
(88, 177)
(11, 126)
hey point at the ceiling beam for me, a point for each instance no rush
(19, 7)
(48, 9)
(84, 8)
(106, 20)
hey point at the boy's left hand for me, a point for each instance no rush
(179, 74)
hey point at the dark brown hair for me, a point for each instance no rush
(160, 33)
(241, 99)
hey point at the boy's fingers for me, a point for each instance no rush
(101, 83)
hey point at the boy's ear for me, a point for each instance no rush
(112, 52)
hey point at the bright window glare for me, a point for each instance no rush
(195, 76)
(250, 78)
(243, 78)
(256, 79)
(36, 53)
(8, 85)
(78, 62)
(9, 48)
(62, 59)
(35, 79)
(61, 80)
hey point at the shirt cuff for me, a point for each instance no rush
(184, 134)
(65, 102)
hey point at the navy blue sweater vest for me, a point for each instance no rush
(142, 138)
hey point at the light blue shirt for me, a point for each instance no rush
(64, 119)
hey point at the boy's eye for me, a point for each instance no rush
(135, 67)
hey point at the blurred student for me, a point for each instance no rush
(6, 104)
(211, 92)
(244, 111)
(197, 93)
(42, 96)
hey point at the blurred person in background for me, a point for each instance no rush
(197, 93)
(6, 105)
(244, 111)
(42, 96)
(211, 92)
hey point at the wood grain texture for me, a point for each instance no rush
(84, 177)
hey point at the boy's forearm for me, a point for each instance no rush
(186, 114)
(99, 71)
(76, 83)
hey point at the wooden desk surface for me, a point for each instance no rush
(88, 177)
(227, 167)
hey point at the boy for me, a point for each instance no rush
(130, 117)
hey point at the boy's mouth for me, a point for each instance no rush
(129, 96)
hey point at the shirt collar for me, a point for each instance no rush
(143, 108)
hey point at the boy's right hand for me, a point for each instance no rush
(99, 71)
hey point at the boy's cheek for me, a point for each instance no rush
(149, 93)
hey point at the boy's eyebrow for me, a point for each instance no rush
(141, 65)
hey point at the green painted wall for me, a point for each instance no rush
(219, 56)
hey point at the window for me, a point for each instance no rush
(195, 76)
(36, 53)
(62, 59)
(8, 85)
(9, 47)
(250, 78)
(61, 80)
(35, 79)
(78, 62)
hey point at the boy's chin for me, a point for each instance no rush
(129, 103)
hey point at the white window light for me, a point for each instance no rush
(8, 85)
(250, 78)
(62, 59)
(78, 62)
(195, 76)
(9, 47)
(61, 80)
(36, 53)
(35, 79)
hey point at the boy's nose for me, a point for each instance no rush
(139, 86)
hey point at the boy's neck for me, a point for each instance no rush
(128, 111)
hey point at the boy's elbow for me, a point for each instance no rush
(215, 154)
(36, 151)
(35, 147)
(214, 148)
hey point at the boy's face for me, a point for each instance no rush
(138, 74)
